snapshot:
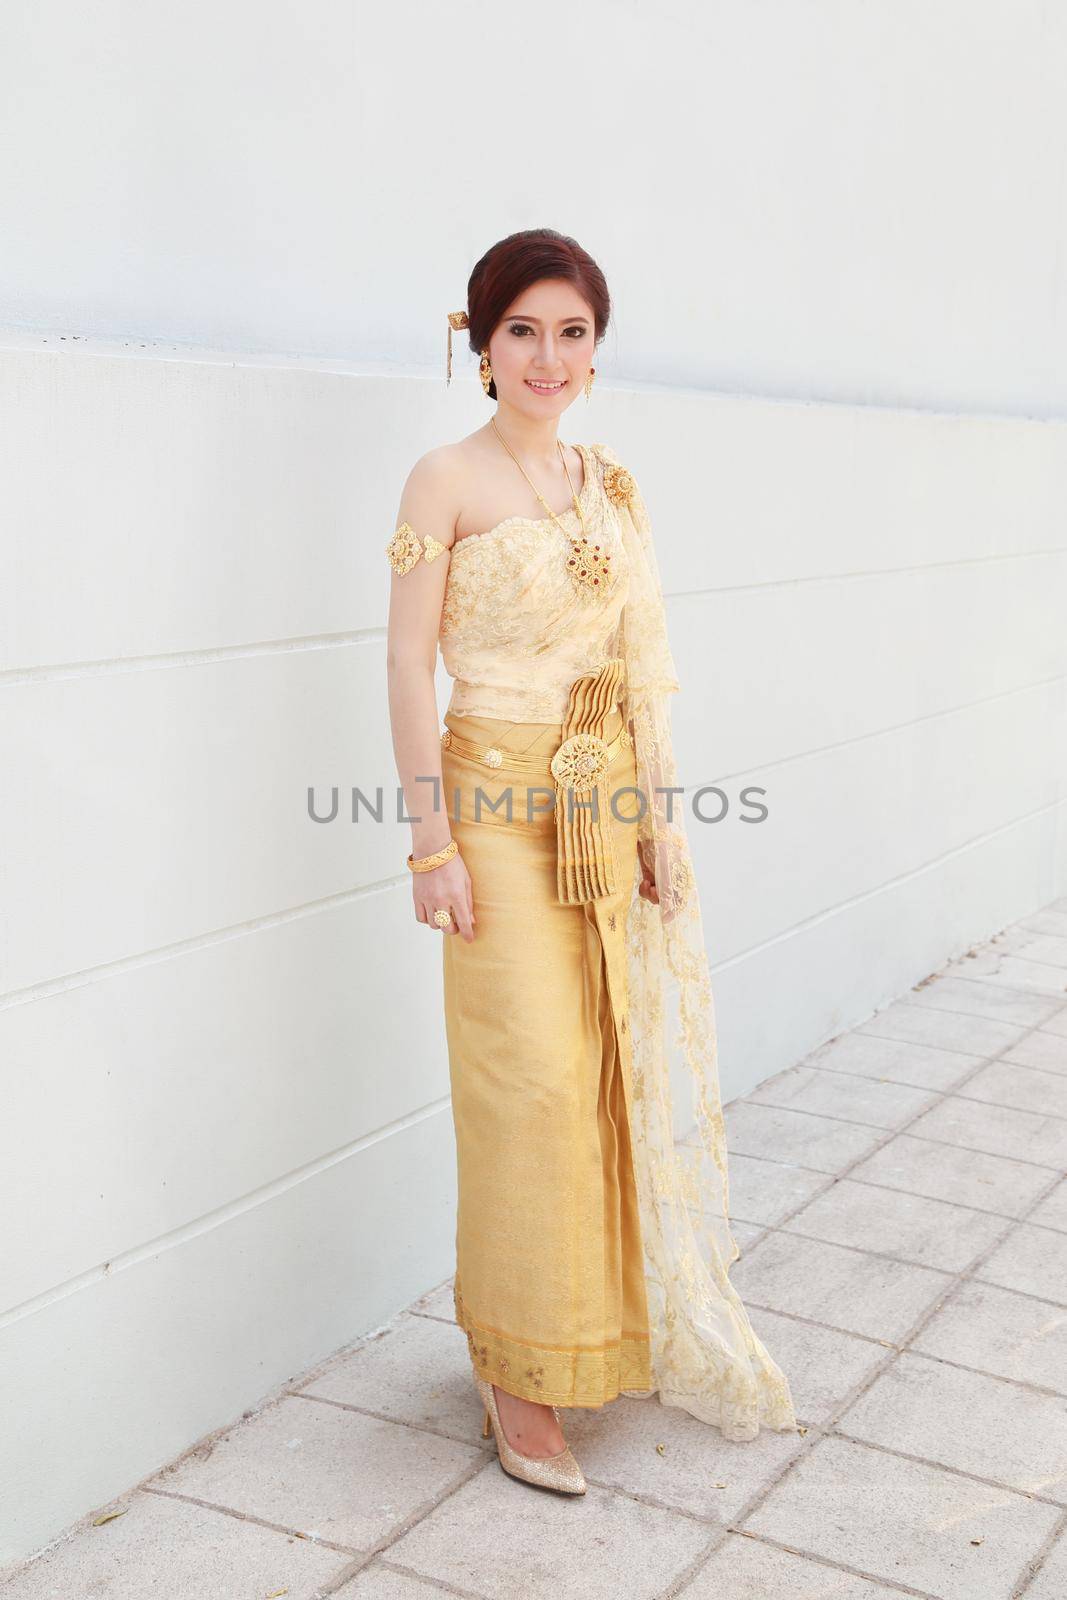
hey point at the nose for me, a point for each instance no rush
(547, 358)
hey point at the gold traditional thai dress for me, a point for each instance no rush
(592, 1251)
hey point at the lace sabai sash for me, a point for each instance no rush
(706, 1357)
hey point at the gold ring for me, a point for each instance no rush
(442, 917)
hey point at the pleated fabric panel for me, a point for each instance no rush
(586, 866)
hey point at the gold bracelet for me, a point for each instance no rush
(427, 863)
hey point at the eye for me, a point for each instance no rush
(521, 328)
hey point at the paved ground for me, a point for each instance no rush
(902, 1215)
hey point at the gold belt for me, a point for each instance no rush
(586, 864)
(579, 762)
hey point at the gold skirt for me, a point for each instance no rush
(550, 1286)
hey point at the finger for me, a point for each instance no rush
(464, 920)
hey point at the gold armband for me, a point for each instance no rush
(405, 548)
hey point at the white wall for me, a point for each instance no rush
(230, 239)
(807, 198)
(227, 1142)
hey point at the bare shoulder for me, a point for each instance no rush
(438, 467)
(447, 472)
(431, 496)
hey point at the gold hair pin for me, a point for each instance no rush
(456, 319)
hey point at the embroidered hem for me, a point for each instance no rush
(554, 1375)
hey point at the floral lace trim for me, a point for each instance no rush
(706, 1356)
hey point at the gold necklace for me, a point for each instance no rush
(533, 486)
(589, 566)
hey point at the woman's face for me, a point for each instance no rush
(547, 336)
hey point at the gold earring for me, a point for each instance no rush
(485, 371)
(589, 382)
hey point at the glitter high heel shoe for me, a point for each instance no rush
(560, 1472)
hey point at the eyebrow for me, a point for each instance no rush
(520, 316)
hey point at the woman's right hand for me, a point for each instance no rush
(447, 888)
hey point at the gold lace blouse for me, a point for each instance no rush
(530, 606)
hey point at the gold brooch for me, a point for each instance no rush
(580, 762)
(619, 485)
(588, 566)
(405, 548)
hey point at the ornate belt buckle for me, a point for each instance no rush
(580, 762)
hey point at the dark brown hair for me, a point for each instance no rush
(513, 264)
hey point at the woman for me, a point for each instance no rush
(592, 1254)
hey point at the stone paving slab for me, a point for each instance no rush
(1040, 1048)
(1052, 922)
(1007, 1083)
(436, 1303)
(998, 1001)
(898, 1060)
(1031, 1260)
(905, 1522)
(1052, 1211)
(741, 1569)
(1051, 1580)
(766, 1191)
(926, 1407)
(1020, 1135)
(821, 1144)
(849, 1289)
(418, 1372)
(508, 1541)
(932, 1233)
(851, 1096)
(1049, 947)
(950, 1030)
(662, 1454)
(1028, 976)
(169, 1548)
(382, 1582)
(956, 1174)
(327, 1472)
(823, 1365)
(1000, 1332)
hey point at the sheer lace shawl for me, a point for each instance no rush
(706, 1357)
